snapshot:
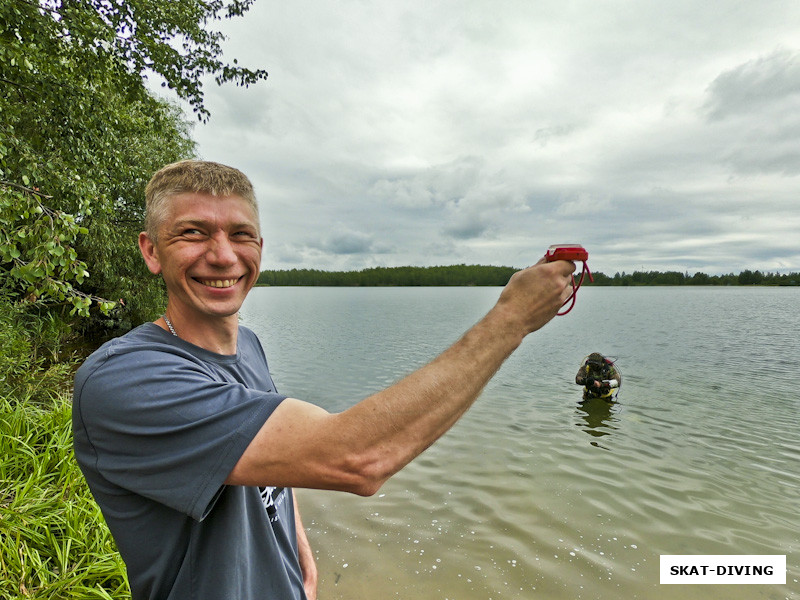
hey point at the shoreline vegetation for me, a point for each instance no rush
(485, 275)
(54, 542)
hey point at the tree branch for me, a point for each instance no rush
(16, 84)
(25, 189)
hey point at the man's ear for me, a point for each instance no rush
(149, 253)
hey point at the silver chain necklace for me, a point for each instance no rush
(169, 324)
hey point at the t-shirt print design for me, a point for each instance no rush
(272, 497)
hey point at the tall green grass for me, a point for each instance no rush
(54, 543)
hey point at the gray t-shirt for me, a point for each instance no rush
(159, 424)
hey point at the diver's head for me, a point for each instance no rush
(596, 359)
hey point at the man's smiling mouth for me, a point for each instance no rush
(218, 283)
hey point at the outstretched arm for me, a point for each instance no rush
(302, 445)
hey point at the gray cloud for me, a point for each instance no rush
(768, 84)
(346, 242)
(467, 227)
(755, 108)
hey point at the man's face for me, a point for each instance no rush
(208, 252)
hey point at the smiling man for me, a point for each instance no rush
(187, 446)
(207, 247)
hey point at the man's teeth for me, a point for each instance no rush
(219, 283)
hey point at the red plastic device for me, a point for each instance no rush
(574, 252)
(566, 252)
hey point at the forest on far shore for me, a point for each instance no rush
(461, 275)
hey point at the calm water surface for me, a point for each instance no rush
(534, 494)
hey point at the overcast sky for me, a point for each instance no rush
(660, 135)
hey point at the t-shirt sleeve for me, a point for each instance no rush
(163, 427)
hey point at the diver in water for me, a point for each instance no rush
(599, 376)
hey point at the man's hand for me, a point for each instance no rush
(534, 295)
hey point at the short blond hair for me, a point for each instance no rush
(192, 176)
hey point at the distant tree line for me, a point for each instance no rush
(746, 277)
(461, 275)
(397, 276)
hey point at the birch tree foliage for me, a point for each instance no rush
(80, 134)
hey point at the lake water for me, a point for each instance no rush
(534, 494)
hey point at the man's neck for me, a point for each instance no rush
(217, 335)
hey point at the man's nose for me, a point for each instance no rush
(221, 251)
